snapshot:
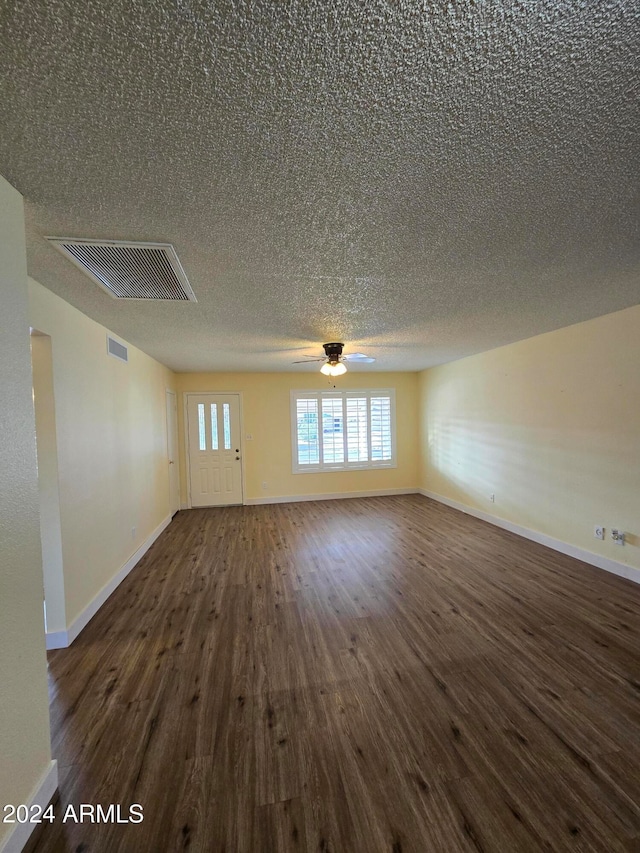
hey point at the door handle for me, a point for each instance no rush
(237, 457)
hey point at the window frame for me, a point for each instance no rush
(326, 467)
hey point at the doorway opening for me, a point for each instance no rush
(55, 622)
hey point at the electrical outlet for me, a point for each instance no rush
(492, 498)
(264, 485)
(248, 437)
(598, 532)
(617, 536)
(133, 533)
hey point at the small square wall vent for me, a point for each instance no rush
(129, 270)
(116, 349)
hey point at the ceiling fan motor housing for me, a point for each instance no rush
(333, 352)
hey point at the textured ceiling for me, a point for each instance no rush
(420, 180)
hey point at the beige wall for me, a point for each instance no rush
(112, 452)
(24, 720)
(266, 416)
(550, 425)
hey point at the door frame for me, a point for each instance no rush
(176, 455)
(185, 415)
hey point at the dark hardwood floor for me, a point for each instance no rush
(352, 676)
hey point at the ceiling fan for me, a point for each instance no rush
(334, 361)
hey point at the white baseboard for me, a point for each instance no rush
(62, 639)
(21, 832)
(596, 560)
(329, 496)
(56, 640)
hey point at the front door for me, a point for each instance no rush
(215, 464)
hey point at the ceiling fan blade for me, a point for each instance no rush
(359, 356)
(309, 360)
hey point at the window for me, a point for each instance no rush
(343, 430)
(202, 432)
(226, 426)
(214, 425)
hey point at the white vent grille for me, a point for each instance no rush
(116, 349)
(129, 270)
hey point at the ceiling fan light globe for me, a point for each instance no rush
(337, 369)
(326, 369)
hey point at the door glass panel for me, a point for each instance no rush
(214, 426)
(201, 430)
(226, 418)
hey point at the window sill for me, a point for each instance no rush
(345, 469)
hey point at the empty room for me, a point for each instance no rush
(320, 459)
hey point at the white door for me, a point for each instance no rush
(215, 464)
(172, 452)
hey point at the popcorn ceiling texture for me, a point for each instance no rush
(421, 180)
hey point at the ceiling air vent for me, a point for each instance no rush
(129, 270)
(116, 349)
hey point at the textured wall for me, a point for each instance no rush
(551, 426)
(24, 708)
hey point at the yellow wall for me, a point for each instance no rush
(550, 425)
(25, 754)
(266, 416)
(112, 452)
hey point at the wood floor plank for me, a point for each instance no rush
(354, 676)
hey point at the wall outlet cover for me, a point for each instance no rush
(617, 535)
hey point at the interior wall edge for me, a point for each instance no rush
(600, 562)
(25, 744)
(42, 796)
